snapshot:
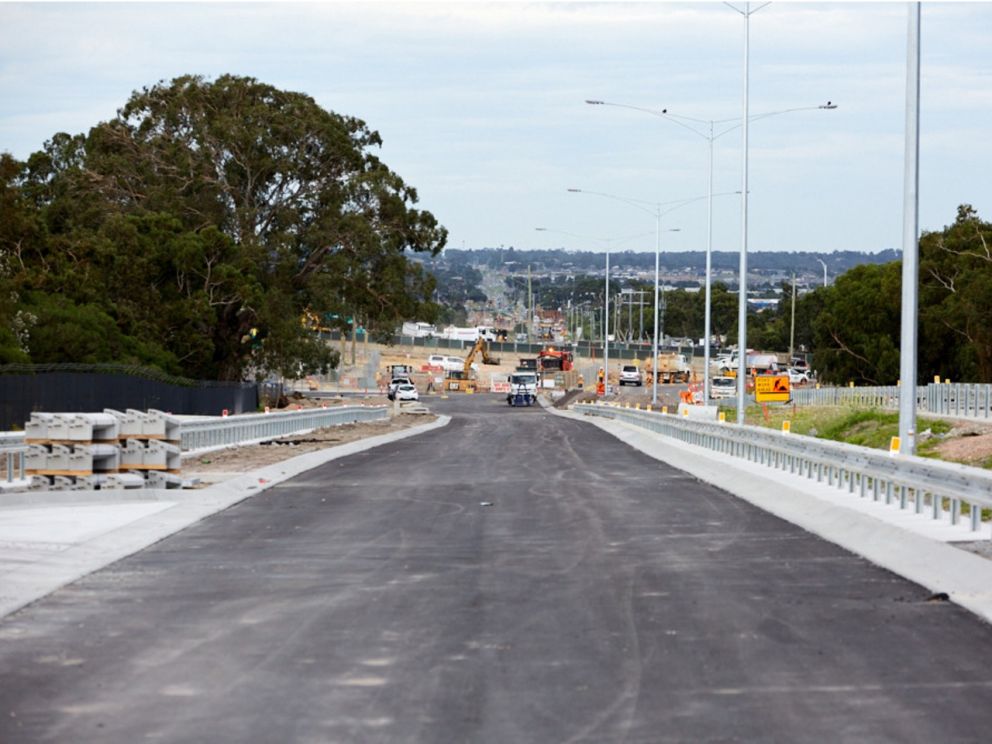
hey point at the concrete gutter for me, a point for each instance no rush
(910, 545)
(50, 539)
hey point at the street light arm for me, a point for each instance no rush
(663, 114)
(640, 203)
(828, 106)
(681, 119)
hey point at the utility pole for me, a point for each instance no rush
(354, 335)
(792, 328)
(530, 308)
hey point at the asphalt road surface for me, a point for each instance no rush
(601, 597)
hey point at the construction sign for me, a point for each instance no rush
(770, 389)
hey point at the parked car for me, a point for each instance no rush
(394, 384)
(630, 374)
(406, 391)
(723, 387)
(437, 360)
(798, 376)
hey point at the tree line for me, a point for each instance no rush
(198, 228)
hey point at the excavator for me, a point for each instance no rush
(463, 380)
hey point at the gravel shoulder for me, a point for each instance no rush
(238, 460)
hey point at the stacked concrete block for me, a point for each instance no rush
(150, 454)
(149, 424)
(102, 450)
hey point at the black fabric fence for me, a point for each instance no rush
(86, 388)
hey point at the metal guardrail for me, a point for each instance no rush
(957, 399)
(253, 427)
(940, 489)
(13, 451)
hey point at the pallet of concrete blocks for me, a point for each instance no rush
(150, 455)
(149, 424)
(71, 428)
(72, 461)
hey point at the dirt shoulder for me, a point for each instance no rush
(214, 466)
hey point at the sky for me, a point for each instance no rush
(481, 106)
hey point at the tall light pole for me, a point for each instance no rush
(824, 265)
(656, 211)
(710, 130)
(910, 240)
(606, 293)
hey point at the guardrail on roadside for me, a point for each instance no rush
(253, 427)
(970, 400)
(13, 453)
(941, 489)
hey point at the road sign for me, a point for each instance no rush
(769, 389)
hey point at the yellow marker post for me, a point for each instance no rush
(723, 417)
(664, 409)
(637, 406)
(786, 427)
(647, 407)
(894, 446)
(851, 383)
(685, 412)
(936, 379)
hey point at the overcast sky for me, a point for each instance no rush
(480, 105)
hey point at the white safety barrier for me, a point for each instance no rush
(943, 490)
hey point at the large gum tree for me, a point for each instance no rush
(208, 216)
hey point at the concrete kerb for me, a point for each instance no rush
(903, 549)
(130, 521)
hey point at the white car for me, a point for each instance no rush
(798, 376)
(437, 360)
(395, 384)
(723, 387)
(407, 392)
(630, 374)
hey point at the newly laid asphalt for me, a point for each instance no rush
(513, 576)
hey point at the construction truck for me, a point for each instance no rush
(523, 388)
(550, 359)
(671, 367)
(463, 380)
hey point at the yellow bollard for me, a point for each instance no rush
(786, 427)
(664, 409)
(723, 417)
(647, 407)
(894, 446)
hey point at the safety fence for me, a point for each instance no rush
(967, 400)
(944, 491)
(26, 388)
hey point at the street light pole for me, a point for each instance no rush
(824, 265)
(691, 124)
(910, 240)
(742, 271)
